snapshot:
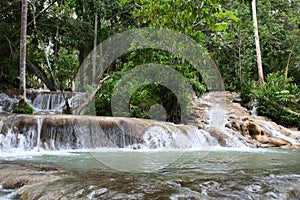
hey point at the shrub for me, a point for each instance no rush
(279, 100)
(23, 108)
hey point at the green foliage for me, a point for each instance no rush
(234, 49)
(148, 95)
(65, 66)
(23, 108)
(65, 33)
(103, 97)
(278, 95)
(189, 17)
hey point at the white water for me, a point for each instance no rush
(270, 129)
(6, 194)
(253, 110)
(49, 103)
(39, 129)
(168, 135)
(217, 117)
(7, 104)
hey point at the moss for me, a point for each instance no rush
(23, 108)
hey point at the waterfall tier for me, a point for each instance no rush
(57, 132)
(217, 122)
(43, 102)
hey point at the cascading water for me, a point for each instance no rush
(253, 110)
(47, 102)
(54, 102)
(57, 132)
(269, 129)
(176, 155)
(165, 135)
(7, 104)
(39, 130)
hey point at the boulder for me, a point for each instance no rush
(292, 146)
(255, 129)
(262, 139)
(278, 141)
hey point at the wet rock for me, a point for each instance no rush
(292, 146)
(278, 141)
(294, 195)
(239, 120)
(97, 193)
(67, 109)
(262, 139)
(255, 130)
(218, 134)
(24, 177)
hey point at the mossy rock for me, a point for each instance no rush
(23, 108)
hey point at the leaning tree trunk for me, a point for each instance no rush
(23, 49)
(258, 54)
(287, 66)
(95, 50)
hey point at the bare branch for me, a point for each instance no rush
(81, 107)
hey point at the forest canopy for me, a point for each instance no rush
(61, 34)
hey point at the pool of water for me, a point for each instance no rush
(215, 174)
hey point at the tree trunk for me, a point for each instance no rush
(258, 54)
(80, 109)
(23, 49)
(82, 67)
(95, 50)
(287, 66)
(54, 77)
(41, 74)
(82, 56)
(100, 52)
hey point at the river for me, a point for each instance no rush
(221, 173)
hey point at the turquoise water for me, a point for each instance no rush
(216, 174)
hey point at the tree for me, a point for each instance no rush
(258, 53)
(23, 49)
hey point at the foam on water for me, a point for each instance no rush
(6, 194)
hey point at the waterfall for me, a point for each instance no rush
(217, 117)
(166, 135)
(58, 132)
(18, 134)
(39, 129)
(43, 102)
(47, 102)
(253, 110)
(7, 104)
(271, 130)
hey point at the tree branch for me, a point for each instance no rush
(287, 66)
(287, 109)
(80, 108)
(41, 75)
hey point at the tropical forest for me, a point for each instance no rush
(136, 99)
